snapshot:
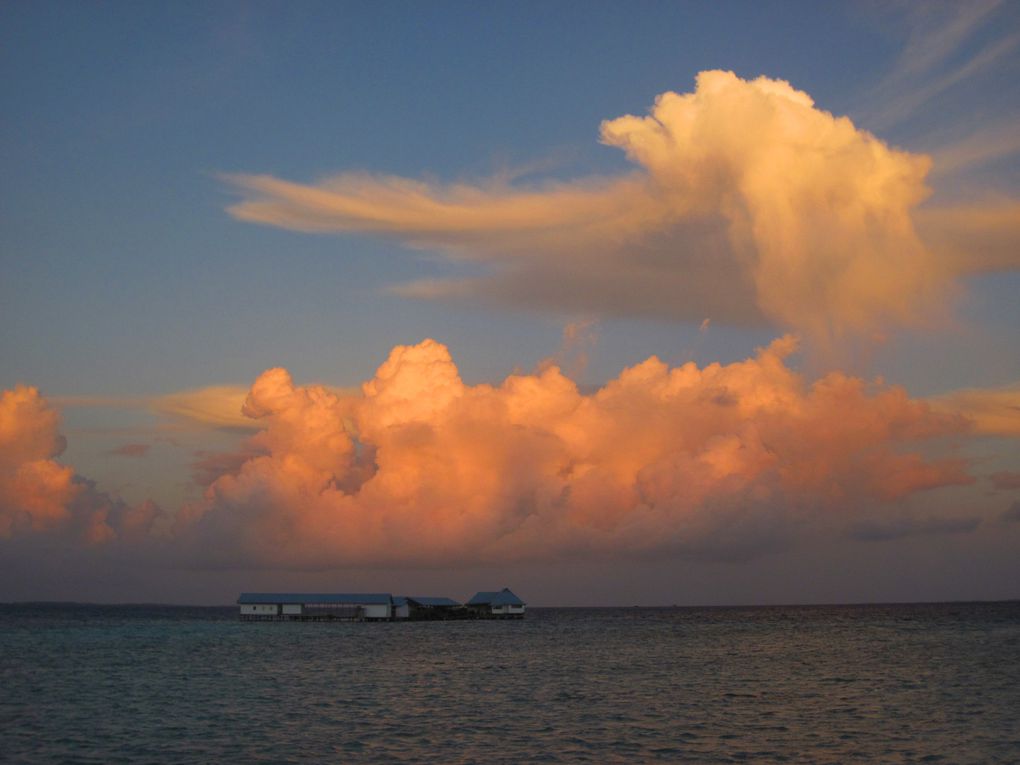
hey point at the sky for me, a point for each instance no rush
(686, 304)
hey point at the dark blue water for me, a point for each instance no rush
(914, 683)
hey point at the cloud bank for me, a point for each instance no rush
(747, 204)
(423, 469)
(420, 469)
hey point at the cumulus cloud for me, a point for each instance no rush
(423, 469)
(747, 204)
(35, 491)
(39, 495)
(207, 466)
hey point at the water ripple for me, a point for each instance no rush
(939, 683)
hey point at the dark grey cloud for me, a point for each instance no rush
(898, 528)
(1012, 515)
(1005, 480)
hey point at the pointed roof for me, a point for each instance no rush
(506, 598)
(482, 598)
(433, 602)
(502, 598)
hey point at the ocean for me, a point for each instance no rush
(818, 684)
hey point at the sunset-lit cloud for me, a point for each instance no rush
(420, 468)
(974, 238)
(748, 204)
(189, 297)
(35, 491)
(423, 469)
(217, 406)
(207, 466)
(40, 495)
(992, 411)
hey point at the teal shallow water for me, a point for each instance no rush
(914, 683)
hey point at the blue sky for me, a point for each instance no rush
(115, 239)
(126, 277)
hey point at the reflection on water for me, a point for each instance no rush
(934, 683)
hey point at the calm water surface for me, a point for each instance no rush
(914, 683)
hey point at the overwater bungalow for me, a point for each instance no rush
(502, 605)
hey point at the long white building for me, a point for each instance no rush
(312, 606)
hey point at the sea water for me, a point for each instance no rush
(127, 684)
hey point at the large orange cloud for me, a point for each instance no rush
(35, 491)
(421, 468)
(748, 203)
(39, 495)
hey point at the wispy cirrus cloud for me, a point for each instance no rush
(212, 406)
(944, 48)
(217, 406)
(952, 51)
(993, 411)
(975, 237)
(978, 147)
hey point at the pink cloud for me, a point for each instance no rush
(421, 468)
(39, 495)
(35, 491)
